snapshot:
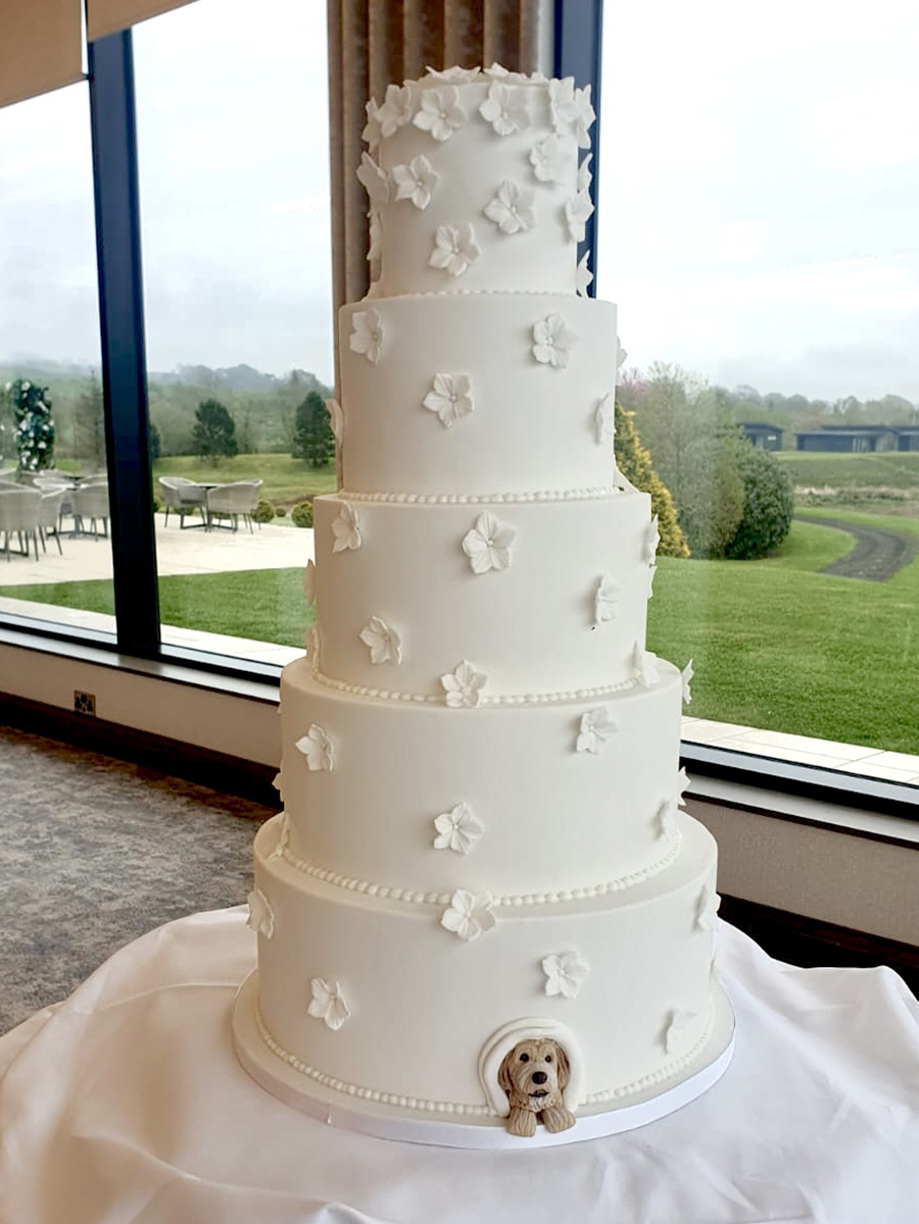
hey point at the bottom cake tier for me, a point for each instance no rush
(370, 1008)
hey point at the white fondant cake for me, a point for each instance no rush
(482, 851)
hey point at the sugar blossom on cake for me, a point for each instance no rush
(458, 830)
(468, 915)
(371, 133)
(682, 785)
(547, 158)
(328, 1003)
(375, 234)
(621, 355)
(336, 418)
(276, 781)
(261, 915)
(367, 336)
(597, 728)
(606, 603)
(311, 642)
(450, 398)
(585, 178)
(396, 110)
(551, 341)
(464, 686)
(645, 665)
(317, 748)
(346, 529)
(583, 277)
(665, 819)
(375, 180)
(577, 212)
(677, 1031)
(605, 420)
(652, 539)
(498, 72)
(440, 113)
(707, 905)
(505, 109)
(309, 582)
(686, 676)
(455, 249)
(384, 642)
(565, 972)
(571, 110)
(488, 544)
(454, 74)
(513, 208)
(416, 181)
(283, 838)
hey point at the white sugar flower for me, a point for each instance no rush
(440, 113)
(505, 109)
(317, 748)
(454, 249)
(565, 971)
(384, 642)
(583, 277)
(577, 212)
(513, 208)
(261, 915)
(396, 110)
(375, 234)
(707, 905)
(276, 782)
(458, 830)
(463, 686)
(367, 337)
(605, 420)
(678, 1030)
(375, 180)
(454, 74)
(371, 133)
(585, 178)
(498, 73)
(283, 838)
(551, 341)
(311, 642)
(309, 582)
(686, 676)
(645, 664)
(451, 398)
(665, 820)
(328, 1003)
(571, 110)
(605, 602)
(652, 570)
(621, 355)
(682, 784)
(346, 529)
(488, 544)
(469, 914)
(336, 418)
(416, 181)
(652, 539)
(597, 728)
(548, 160)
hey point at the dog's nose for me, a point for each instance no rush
(539, 1077)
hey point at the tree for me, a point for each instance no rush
(313, 437)
(768, 508)
(89, 425)
(634, 463)
(34, 425)
(214, 436)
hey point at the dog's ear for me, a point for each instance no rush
(564, 1071)
(504, 1073)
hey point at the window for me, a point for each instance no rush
(757, 227)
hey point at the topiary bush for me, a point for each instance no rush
(302, 514)
(280, 511)
(769, 501)
(264, 511)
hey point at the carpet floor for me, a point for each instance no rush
(93, 853)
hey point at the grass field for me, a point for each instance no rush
(286, 480)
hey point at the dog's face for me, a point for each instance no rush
(534, 1074)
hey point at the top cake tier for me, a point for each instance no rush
(474, 184)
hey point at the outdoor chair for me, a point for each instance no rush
(181, 495)
(19, 516)
(91, 503)
(232, 501)
(50, 514)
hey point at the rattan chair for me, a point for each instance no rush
(19, 516)
(90, 503)
(232, 501)
(182, 496)
(50, 513)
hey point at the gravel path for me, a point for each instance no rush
(878, 553)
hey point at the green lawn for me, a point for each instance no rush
(881, 469)
(286, 480)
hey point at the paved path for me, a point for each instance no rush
(878, 553)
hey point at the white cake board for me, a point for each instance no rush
(294, 1089)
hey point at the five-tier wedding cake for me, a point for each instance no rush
(482, 906)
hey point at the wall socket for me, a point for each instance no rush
(84, 703)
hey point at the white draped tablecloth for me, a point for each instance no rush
(125, 1104)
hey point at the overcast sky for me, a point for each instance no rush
(759, 217)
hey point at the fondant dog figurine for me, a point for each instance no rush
(534, 1075)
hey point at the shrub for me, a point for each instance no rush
(280, 511)
(302, 514)
(264, 511)
(768, 505)
(634, 462)
(34, 425)
(711, 497)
